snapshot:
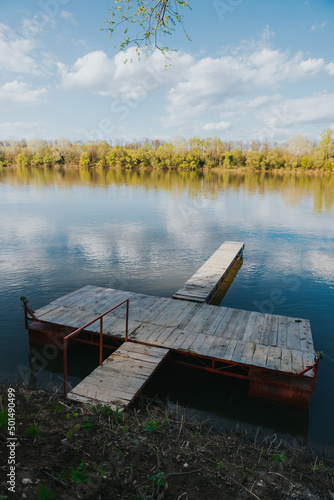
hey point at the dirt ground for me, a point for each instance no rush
(69, 451)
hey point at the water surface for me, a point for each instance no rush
(149, 232)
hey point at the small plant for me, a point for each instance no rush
(240, 469)
(73, 414)
(88, 425)
(4, 419)
(58, 408)
(318, 466)
(159, 479)
(33, 431)
(107, 411)
(220, 465)
(44, 493)
(152, 425)
(280, 458)
(80, 474)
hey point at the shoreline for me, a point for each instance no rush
(66, 451)
(201, 170)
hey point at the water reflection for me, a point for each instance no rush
(294, 187)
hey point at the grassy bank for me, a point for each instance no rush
(68, 451)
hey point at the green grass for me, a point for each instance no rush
(80, 474)
(4, 419)
(44, 493)
(159, 479)
(33, 431)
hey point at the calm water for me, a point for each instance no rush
(149, 232)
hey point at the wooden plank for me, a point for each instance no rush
(260, 355)
(175, 339)
(257, 327)
(189, 314)
(218, 348)
(286, 360)
(293, 341)
(249, 327)
(274, 358)
(297, 363)
(159, 339)
(282, 332)
(228, 354)
(218, 318)
(196, 345)
(273, 334)
(308, 360)
(265, 333)
(247, 353)
(241, 325)
(237, 353)
(224, 322)
(206, 345)
(305, 337)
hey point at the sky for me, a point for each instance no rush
(252, 70)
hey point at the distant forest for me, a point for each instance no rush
(298, 153)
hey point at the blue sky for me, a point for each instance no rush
(252, 70)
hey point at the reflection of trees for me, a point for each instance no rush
(293, 187)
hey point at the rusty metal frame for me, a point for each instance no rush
(266, 376)
(79, 330)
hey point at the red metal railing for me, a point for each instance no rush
(73, 334)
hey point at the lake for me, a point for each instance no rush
(148, 232)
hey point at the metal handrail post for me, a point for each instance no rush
(25, 316)
(101, 330)
(65, 367)
(127, 321)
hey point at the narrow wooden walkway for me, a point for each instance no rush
(202, 286)
(250, 338)
(121, 376)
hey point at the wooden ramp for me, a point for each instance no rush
(202, 286)
(121, 376)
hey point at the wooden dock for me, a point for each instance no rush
(275, 354)
(265, 349)
(121, 376)
(202, 286)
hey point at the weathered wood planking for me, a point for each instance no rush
(252, 338)
(204, 283)
(121, 376)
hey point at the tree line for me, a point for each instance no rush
(298, 153)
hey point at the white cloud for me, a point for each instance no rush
(14, 93)
(65, 14)
(97, 73)
(318, 108)
(21, 128)
(15, 52)
(216, 127)
(211, 86)
(330, 68)
(317, 26)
